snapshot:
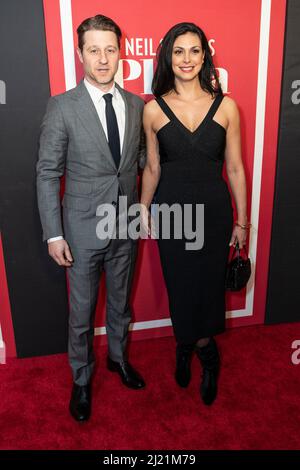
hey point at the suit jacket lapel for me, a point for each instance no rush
(90, 120)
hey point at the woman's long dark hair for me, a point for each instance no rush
(164, 80)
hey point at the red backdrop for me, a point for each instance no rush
(246, 40)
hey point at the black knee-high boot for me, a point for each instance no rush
(184, 354)
(210, 360)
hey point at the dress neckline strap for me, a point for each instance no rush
(209, 115)
(213, 108)
(166, 109)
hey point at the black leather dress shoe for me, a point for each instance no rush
(130, 377)
(184, 354)
(80, 403)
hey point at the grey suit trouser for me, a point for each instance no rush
(118, 261)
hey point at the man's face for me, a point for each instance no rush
(100, 57)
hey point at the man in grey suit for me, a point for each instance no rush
(92, 134)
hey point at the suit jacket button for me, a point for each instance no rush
(118, 174)
(114, 203)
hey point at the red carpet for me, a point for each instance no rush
(258, 406)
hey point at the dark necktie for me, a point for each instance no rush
(113, 136)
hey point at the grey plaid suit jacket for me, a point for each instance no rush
(73, 143)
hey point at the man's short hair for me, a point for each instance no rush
(99, 22)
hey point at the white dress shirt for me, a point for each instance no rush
(119, 106)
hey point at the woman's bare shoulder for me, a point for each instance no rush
(230, 104)
(151, 110)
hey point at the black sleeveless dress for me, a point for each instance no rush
(191, 173)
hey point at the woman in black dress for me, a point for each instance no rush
(191, 129)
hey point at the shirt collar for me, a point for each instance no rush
(96, 94)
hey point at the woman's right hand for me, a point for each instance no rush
(147, 223)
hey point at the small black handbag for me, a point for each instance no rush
(238, 271)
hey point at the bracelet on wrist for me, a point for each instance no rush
(246, 226)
